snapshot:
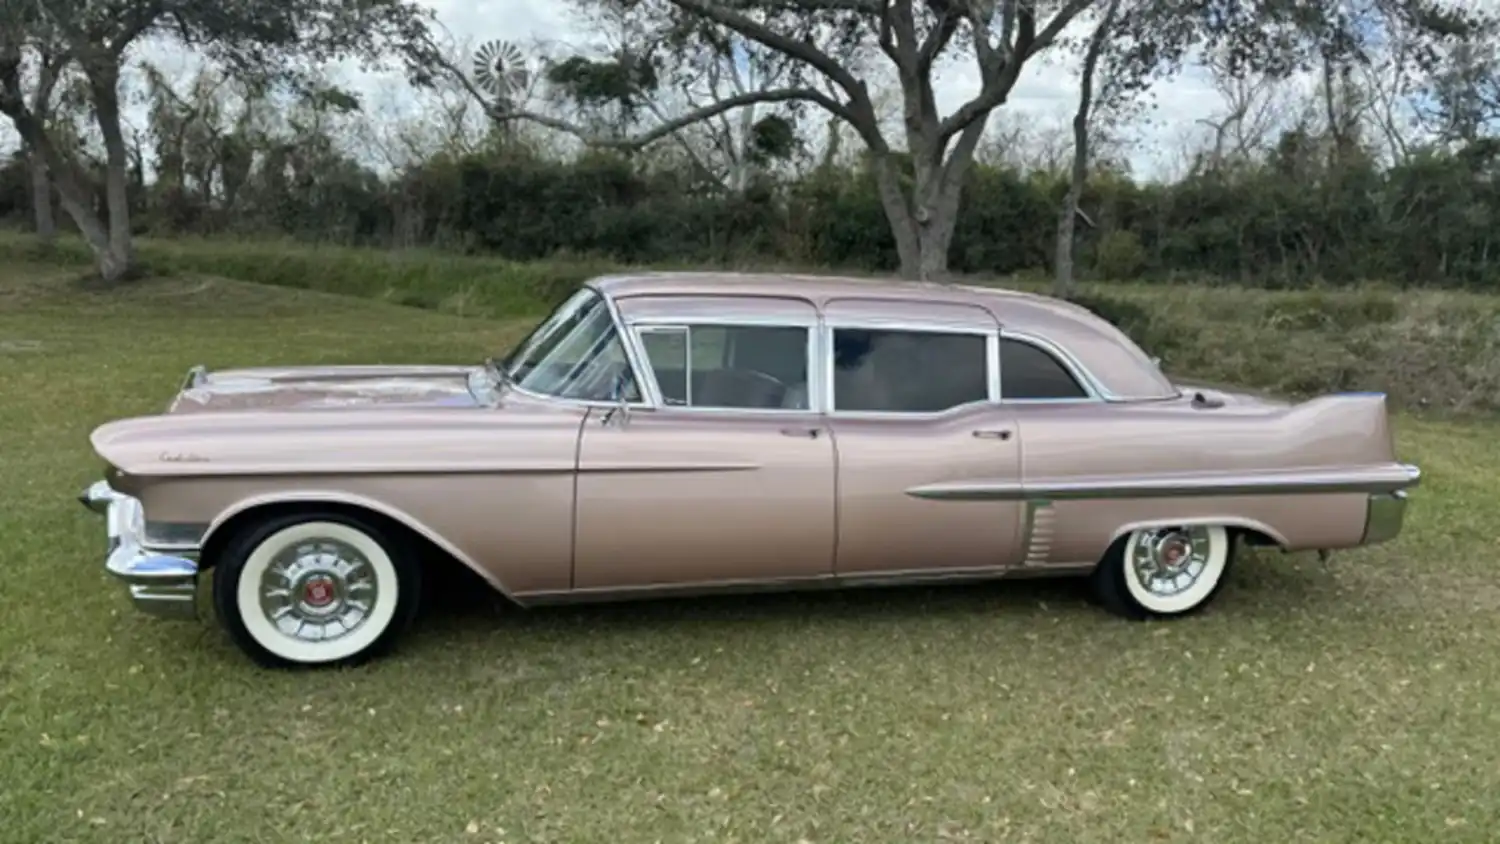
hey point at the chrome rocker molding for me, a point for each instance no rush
(163, 580)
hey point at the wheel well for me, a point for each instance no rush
(1248, 536)
(437, 563)
(1254, 538)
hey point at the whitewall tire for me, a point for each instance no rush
(315, 589)
(1164, 572)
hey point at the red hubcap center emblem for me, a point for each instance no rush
(318, 592)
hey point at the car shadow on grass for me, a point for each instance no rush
(1263, 586)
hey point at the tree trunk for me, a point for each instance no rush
(923, 237)
(119, 259)
(1067, 219)
(924, 222)
(76, 197)
(41, 198)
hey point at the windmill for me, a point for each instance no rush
(500, 70)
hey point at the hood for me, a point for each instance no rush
(332, 387)
(341, 420)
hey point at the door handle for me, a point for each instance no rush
(811, 433)
(993, 434)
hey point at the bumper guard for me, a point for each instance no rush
(162, 581)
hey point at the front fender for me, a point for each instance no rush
(216, 532)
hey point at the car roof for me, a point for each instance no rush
(1005, 304)
(1117, 365)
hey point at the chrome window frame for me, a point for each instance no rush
(641, 330)
(991, 337)
(649, 397)
(814, 351)
(820, 330)
(1094, 393)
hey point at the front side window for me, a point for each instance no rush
(729, 366)
(1029, 372)
(575, 353)
(904, 371)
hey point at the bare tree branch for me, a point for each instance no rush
(1001, 67)
(860, 113)
(676, 124)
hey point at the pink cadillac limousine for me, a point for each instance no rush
(695, 432)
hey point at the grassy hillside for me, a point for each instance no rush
(1346, 702)
(1438, 350)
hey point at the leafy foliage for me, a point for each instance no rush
(1291, 219)
(254, 40)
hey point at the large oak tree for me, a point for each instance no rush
(270, 39)
(818, 45)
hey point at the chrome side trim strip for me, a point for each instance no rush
(1380, 479)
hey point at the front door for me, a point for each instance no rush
(730, 480)
(929, 465)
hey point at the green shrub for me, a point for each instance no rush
(1120, 255)
(1315, 310)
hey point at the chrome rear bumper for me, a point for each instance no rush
(162, 581)
(1384, 515)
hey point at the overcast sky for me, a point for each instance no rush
(1048, 88)
(1046, 91)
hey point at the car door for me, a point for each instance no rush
(729, 478)
(929, 463)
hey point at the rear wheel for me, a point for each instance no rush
(1164, 572)
(315, 589)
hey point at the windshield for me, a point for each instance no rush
(575, 353)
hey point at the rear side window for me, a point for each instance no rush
(1031, 372)
(904, 371)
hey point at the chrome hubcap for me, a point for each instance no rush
(318, 591)
(1168, 561)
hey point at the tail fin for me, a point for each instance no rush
(1354, 423)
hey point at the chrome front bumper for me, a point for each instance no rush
(163, 581)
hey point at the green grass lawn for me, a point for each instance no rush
(1353, 701)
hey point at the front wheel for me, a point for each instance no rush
(1164, 572)
(317, 589)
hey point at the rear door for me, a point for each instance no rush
(929, 462)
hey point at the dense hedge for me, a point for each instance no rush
(1289, 220)
(1428, 349)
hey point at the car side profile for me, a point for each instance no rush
(686, 433)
